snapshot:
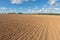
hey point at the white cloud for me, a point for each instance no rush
(6, 10)
(29, 10)
(2, 8)
(16, 1)
(49, 10)
(54, 2)
(44, 10)
(19, 1)
(36, 9)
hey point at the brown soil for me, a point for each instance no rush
(29, 27)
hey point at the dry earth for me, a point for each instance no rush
(29, 27)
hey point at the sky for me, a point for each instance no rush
(30, 6)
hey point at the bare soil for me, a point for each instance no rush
(29, 27)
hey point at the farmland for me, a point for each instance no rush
(29, 27)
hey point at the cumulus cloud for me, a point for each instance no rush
(6, 10)
(49, 10)
(29, 10)
(44, 10)
(2, 8)
(16, 1)
(54, 2)
(34, 10)
(19, 1)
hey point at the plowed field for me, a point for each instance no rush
(29, 27)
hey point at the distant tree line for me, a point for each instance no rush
(34, 13)
(48, 13)
(15, 13)
(44, 13)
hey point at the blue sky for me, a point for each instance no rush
(30, 6)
